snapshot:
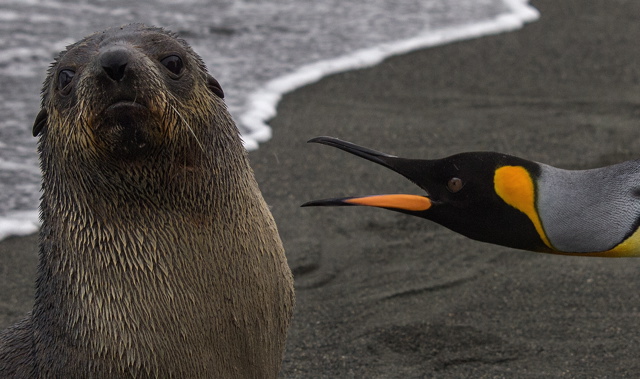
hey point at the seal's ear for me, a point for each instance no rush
(214, 86)
(40, 123)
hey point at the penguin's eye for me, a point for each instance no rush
(454, 185)
(173, 63)
(64, 79)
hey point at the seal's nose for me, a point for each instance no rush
(114, 62)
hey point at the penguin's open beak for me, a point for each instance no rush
(398, 202)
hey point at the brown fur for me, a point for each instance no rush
(158, 254)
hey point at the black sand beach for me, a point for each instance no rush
(384, 295)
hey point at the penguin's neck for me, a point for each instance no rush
(586, 211)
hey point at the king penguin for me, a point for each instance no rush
(510, 201)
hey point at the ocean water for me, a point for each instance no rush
(257, 49)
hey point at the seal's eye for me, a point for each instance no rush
(64, 79)
(454, 185)
(173, 63)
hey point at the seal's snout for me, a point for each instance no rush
(114, 62)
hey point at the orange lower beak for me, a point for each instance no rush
(400, 202)
(404, 202)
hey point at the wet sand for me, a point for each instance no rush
(381, 294)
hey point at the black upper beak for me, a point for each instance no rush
(363, 152)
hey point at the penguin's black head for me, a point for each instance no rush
(480, 195)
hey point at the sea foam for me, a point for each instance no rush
(262, 104)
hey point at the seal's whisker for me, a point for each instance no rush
(188, 127)
(73, 125)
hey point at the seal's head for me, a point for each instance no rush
(127, 93)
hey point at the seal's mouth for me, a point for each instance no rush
(124, 127)
(125, 114)
(124, 106)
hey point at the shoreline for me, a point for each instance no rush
(264, 101)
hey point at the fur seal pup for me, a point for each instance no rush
(158, 254)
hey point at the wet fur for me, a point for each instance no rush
(154, 262)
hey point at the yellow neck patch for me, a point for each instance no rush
(515, 186)
(627, 248)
